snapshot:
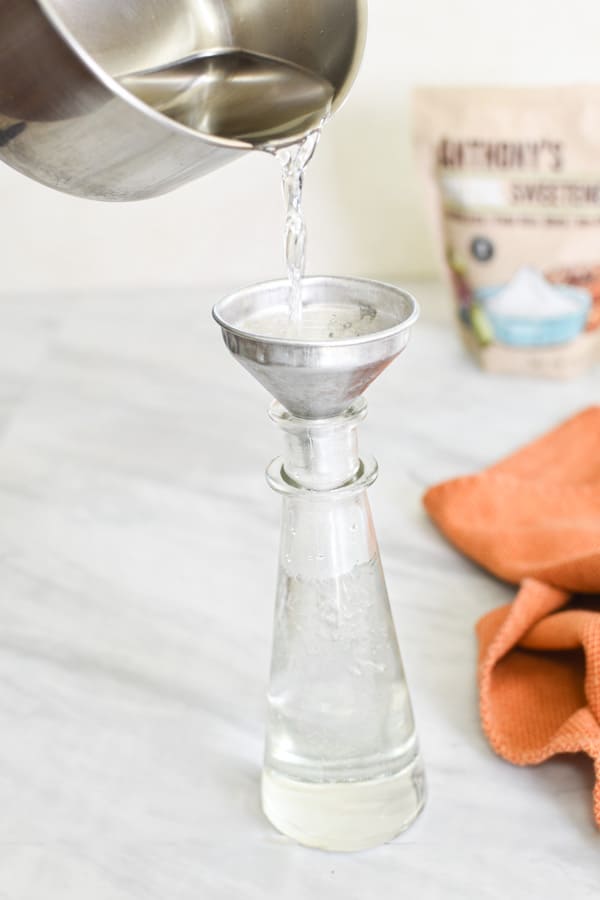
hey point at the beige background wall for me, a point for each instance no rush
(362, 202)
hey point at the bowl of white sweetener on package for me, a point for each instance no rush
(531, 312)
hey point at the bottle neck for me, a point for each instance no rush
(321, 454)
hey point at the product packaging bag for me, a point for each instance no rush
(512, 177)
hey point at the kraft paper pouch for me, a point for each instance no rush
(513, 181)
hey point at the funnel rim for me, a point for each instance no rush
(374, 337)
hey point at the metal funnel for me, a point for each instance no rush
(352, 329)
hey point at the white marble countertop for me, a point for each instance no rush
(138, 546)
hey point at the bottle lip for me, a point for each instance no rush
(278, 480)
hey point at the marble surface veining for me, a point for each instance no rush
(138, 547)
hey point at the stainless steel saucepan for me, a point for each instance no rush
(128, 99)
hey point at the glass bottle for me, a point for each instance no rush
(342, 767)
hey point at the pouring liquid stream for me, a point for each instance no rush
(294, 161)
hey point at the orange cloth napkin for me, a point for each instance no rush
(534, 520)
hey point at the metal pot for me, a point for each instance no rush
(68, 120)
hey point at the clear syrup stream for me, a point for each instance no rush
(294, 161)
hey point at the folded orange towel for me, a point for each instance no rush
(534, 520)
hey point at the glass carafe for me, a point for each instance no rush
(342, 766)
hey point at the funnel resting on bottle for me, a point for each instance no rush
(352, 329)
